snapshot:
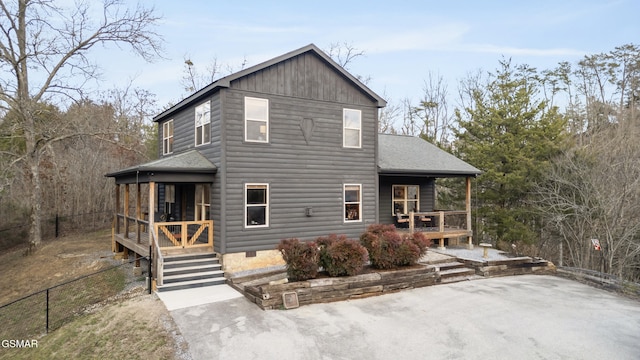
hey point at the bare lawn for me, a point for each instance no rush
(133, 325)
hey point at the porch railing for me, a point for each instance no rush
(131, 226)
(183, 234)
(157, 258)
(438, 221)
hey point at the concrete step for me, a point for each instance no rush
(192, 284)
(192, 268)
(170, 279)
(180, 257)
(448, 265)
(457, 274)
(190, 262)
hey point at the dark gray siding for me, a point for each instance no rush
(305, 76)
(300, 174)
(184, 139)
(427, 194)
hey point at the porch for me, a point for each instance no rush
(439, 225)
(176, 191)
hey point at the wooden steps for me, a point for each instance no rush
(190, 271)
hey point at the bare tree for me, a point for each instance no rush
(43, 58)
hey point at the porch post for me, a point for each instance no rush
(138, 212)
(117, 208)
(441, 230)
(468, 210)
(126, 211)
(152, 201)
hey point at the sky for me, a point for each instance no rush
(403, 41)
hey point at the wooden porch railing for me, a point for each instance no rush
(184, 234)
(443, 224)
(440, 221)
(157, 258)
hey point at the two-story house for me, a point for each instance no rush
(287, 148)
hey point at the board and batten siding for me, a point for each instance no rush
(427, 194)
(301, 174)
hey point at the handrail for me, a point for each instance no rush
(159, 259)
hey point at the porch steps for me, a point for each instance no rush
(191, 271)
(451, 272)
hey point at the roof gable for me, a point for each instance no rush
(227, 81)
(400, 154)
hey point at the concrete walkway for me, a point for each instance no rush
(517, 317)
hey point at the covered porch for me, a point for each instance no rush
(163, 208)
(408, 168)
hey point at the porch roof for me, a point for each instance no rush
(410, 155)
(189, 166)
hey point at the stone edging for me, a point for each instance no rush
(342, 288)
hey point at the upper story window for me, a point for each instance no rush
(406, 199)
(203, 123)
(167, 137)
(352, 202)
(351, 128)
(256, 120)
(256, 205)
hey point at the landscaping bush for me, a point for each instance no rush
(340, 256)
(301, 257)
(389, 249)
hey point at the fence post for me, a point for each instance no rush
(57, 225)
(149, 272)
(47, 311)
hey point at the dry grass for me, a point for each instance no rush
(131, 325)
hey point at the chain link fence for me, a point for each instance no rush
(49, 309)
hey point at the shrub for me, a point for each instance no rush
(389, 249)
(323, 243)
(301, 258)
(344, 257)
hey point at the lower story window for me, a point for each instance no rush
(405, 199)
(202, 201)
(352, 202)
(256, 205)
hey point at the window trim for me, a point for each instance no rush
(345, 128)
(167, 138)
(266, 205)
(202, 126)
(344, 203)
(406, 199)
(246, 118)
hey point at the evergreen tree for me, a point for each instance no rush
(510, 135)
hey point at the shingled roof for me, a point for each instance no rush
(189, 166)
(405, 155)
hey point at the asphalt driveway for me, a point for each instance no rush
(517, 317)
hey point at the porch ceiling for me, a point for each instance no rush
(190, 166)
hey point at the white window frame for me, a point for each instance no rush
(248, 101)
(405, 198)
(202, 201)
(202, 119)
(345, 203)
(247, 206)
(346, 128)
(167, 137)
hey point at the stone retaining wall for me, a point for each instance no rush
(342, 288)
(511, 266)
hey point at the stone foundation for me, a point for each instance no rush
(237, 262)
